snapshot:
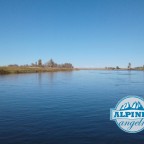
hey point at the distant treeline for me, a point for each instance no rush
(128, 68)
(49, 64)
(37, 67)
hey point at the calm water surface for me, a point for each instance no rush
(66, 107)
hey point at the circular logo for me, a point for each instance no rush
(129, 114)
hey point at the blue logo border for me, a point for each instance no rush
(132, 96)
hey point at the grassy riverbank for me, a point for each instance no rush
(17, 70)
(24, 69)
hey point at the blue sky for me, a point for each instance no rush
(87, 33)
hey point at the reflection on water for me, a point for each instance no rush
(51, 77)
(66, 107)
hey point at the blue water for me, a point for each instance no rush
(66, 107)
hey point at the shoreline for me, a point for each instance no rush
(121, 69)
(22, 70)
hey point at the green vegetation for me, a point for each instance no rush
(51, 66)
(38, 67)
(24, 69)
(139, 68)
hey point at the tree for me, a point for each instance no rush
(129, 66)
(66, 65)
(39, 62)
(117, 67)
(32, 64)
(51, 63)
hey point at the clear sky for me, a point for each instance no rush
(86, 33)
